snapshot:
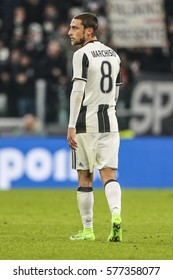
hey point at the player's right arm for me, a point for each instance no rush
(118, 81)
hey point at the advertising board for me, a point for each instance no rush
(144, 162)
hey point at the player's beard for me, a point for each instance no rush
(80, 42)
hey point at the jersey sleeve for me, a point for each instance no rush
(119, 79)
(75, 101)
(80, 66)
(119, 76)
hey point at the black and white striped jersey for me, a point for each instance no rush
(99, 66)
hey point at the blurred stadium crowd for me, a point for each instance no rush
(34, 45)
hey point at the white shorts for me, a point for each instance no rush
(96, 150)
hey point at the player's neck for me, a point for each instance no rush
(90, 39)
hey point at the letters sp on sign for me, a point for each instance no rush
(151, 104)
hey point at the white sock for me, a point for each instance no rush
(113, 195)
(85, 199)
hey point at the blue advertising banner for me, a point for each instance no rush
(45, 163)
(146, 162)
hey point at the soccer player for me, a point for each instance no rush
(93, 130)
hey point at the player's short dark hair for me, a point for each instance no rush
(88, 20)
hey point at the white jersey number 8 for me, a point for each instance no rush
(106, 80)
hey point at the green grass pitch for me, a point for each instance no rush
(36, 225)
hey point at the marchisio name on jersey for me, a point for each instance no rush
(103, 53)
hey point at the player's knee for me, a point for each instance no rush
(107, 174)
(85, 178)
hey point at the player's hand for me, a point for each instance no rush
(71, 133)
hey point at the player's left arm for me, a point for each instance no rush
(75, 105)
(76, 100)
(80, 67)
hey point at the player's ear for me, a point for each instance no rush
(89, 30)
